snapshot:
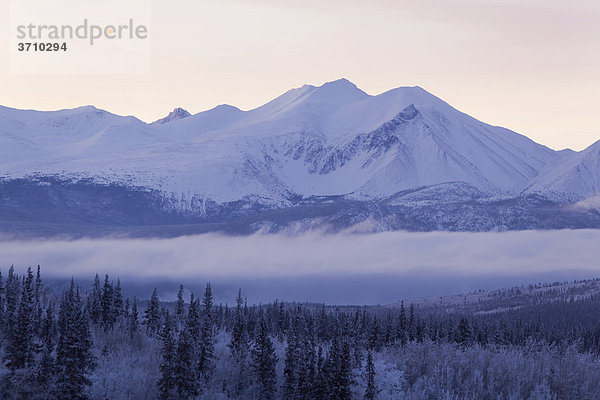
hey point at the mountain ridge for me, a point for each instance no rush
(313, 141)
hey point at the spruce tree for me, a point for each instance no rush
(300, 358)
(306, 355)
(12, 301)
(371, 389)
(152, 314)
(239, 347)
(192, 321)
(38, 306)
(206, 348)
(107, 303)
(2, 301)
(133, 319)
(264, 361)
(345, 378)
(320, 390)
(464, 332)
(338, 369)
(95, 302)
(402, 325)
(167, 384)
(74, 360)
(411, 322)
(185, 372)
(118, 304)
(20, 351)
(47, 362)
(290, 373)
(179, 306)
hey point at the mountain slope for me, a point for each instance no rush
(577, 178)
(332, 142)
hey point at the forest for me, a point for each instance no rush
(91, 342)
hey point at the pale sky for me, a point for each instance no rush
(531, 66)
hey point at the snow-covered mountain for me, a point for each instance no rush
(310, 142)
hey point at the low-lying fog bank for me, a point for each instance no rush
(342, 269)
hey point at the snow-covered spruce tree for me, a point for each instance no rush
(133, 321)
(239, 347)
(323, 331)
(464, 334)
(185, 371)
(74, 360)
(152, 317)
(167, 384)
(345, 372)
(320, 390)
(206, 345)
(12, 301)
(338, 370)
(192, 320)
(402, 324)
(94, 302)
(37, 306)
(290, 383)
(300, 358)
(281, 320)
(264, 361)
(107, 303)
(371, 389)
(292, 361)
(20, 350)
(375, 337)
(2, 302)
(180, 307)
(411, 327)
(308, 358)
(119, 309)
(48, 336)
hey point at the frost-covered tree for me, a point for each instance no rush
(167, 384)
(74, 360)
(185, 371)
(12, 301)
(133, 324)
(371, 389)
(264, 361)
(95, 302)
(20, 350)
(239, 346)
(180, 306)
(152, 314)
(338, 370)
(206, 345)
(118, 303)
(107, 304)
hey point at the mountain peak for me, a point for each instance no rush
(225, 107)
(338, 92)
(177, 113)
(342, 82)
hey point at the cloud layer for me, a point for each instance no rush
(302, 264)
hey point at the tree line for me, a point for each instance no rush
(75, 344)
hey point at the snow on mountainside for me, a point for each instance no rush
(177, 113)
(311, 141)
(577, 178)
